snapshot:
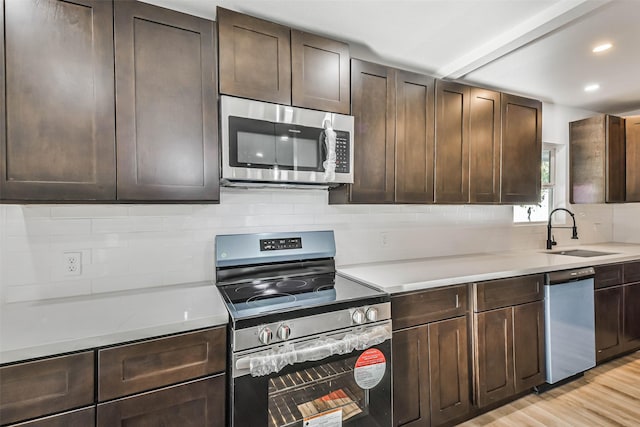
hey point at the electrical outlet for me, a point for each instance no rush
(384, 239)
(73, 263)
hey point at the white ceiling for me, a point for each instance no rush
(537, 48)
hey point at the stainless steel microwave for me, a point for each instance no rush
(263, 142)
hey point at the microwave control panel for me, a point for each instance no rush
(342, 152)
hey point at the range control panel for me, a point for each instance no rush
(279, 244)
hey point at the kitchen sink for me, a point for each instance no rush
(581, 253)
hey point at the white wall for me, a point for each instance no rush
(134, 246)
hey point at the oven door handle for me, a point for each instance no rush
(272, 361)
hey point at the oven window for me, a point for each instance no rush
(308, 392)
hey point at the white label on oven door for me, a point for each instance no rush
(370, 368)
(332, 418)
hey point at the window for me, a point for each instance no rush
(540, 212)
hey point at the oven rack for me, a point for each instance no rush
(282, 384)
(283, 407)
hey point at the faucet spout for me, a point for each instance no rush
(550, 240)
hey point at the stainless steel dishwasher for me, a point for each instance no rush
(569, 324)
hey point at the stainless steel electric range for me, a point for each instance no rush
(309, 348)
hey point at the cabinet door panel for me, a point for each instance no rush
(411, 377)
(58, 140)
(255, 57)
(484, 146)
(449, 370)
(319, 73)
(42, 387)
(416, 308)
(166, 105)
(608, 318)
(414, 138)
(494, 356)
(616, 159)
(136, 367)
(528, 345)
(521, 149)
(632, 316)
(195, 404)
(507, 292)
(373, 95)
(452, 143)
(632, 132)
(608, 275)
(631, 272)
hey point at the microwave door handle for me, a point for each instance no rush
(319, 349)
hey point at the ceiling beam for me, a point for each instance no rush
(539, 25)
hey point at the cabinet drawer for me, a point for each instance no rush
(416, 308)
(608, 275)
(506, 292)
(81, 418)
(632, 272)
(194, 404)
(47, 386)
(156, 363)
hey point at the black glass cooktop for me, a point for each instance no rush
(258, 299)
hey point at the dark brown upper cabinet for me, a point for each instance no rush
(270, 62)
(394, 126)
(319, 73)
(597, 160)
(632, 133)
(374, 108)
(414, 138)
(452, 142)
(255, 57)
(166, 105)
(521, 149)
(57, 128)
(484, 146)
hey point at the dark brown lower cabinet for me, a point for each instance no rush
(528, 345)
(494, 356)
(608, 315)
(430, 373)
(631, 317)
(80, 418)
(43, 387)
(509, 351)
(194, 404)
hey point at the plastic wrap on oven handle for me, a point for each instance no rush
(289, 354)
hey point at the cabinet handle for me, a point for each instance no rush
(457, 301)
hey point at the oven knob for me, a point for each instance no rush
(265, 336)
(372, 314)
(284, 332)
(359, 317)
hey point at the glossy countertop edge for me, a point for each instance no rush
(212, 313)
(427, 273)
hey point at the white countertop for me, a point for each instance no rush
(425, 273)
(49, 327)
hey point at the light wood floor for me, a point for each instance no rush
(608, 395)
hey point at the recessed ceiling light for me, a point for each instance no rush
(602, 47)
(591, 87)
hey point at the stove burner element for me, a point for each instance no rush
(323, 288)
(268, 299)
(291, 284)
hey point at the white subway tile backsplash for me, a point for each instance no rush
(137, 246)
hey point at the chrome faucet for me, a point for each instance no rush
(550, 239)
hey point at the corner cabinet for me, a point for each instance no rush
(166, 105)
(509, 355)
(394, 127)
(521, 149)
(430, 357)
(57, 136)
(597, 160)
